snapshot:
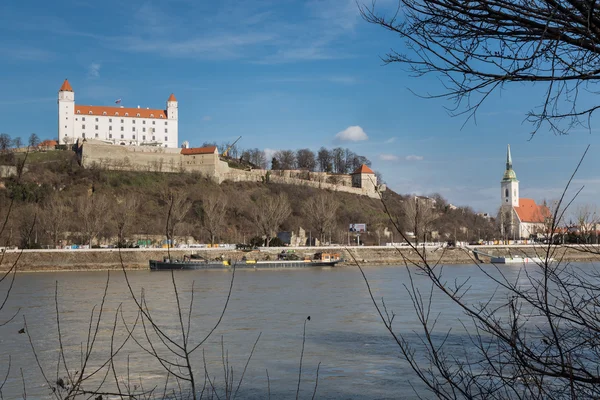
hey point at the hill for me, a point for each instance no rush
(57, 202)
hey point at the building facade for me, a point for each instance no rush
(116, 125)
(519, 218)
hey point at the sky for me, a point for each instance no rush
(283, 75)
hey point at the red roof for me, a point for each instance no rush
(48, 143)
(199, 150)
(120, 111)
(363, 169)
(528, 211)
(66, 86)
(172, 97)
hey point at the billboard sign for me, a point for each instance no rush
(359, 228)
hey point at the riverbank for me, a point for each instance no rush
(137, 259)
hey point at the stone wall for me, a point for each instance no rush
(163, 159)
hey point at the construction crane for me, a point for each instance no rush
(230, 146)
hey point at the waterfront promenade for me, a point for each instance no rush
(111, 259)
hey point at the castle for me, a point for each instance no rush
(130, 139)
(116, 125)
(519, 217)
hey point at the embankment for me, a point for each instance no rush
(132, 259)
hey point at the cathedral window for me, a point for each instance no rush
(506, 193)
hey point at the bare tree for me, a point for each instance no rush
(124, 213)
(320, 212)
(34, 140)
(212, 214)
(587, 220)
(339, 161)
(480, 46)
(305, 159)
(17, 142)
(268, 213)
(324, 160)
(54, 218)
(419, 213)
(91, 213)
(256, 157)
(4, 142)
(286, 159)
(176, 208)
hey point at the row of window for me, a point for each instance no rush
(110, 128)
(110, 136)
(123, 121)
(117, 113)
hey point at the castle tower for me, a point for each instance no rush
(509, 185)
(172, 116)
(66, 112)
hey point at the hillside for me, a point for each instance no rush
(72, 204)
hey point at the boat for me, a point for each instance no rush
(518, 260)
(284, 260)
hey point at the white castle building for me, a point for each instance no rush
(116, 125)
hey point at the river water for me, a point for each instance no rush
(358, 358)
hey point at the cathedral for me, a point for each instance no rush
(519, 218)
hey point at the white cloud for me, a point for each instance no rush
(269, 154)
(390, 140)
(206, 118)
(352, 134)
(412, 157)
(388, 157)
(94, 70)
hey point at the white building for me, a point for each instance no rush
(116, 125)
(519, 218)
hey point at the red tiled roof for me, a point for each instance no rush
(172, 97)
(66, 86)
(199, 150)
(528, 211)
(363, 169)
(120, 111)
(48, 143)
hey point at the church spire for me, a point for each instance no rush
(509, 174)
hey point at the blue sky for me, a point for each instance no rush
(283, 75)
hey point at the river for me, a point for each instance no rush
(358, 358)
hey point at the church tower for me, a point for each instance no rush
(509, 184)
(66, 112)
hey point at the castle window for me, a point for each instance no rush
(153, 137)
(110, 135)
(96, 135)
(96, 119)
(90, 113)
(127, 114)
(110, 128)
(166, 122)
(133, 121)
(78, 111)
(166, 139)
(144, 122)
(133, 137)
(96, 127)
(153, 122)
(122, 129)
(133, 128)
(122, 136)
(144, 137)
(138, 114)
(117, 114)
(83, 135)
(83, 126)
(160, 116)
(110, 120)
(151, 115)
(83, 118)
(166, 130)
(143, 129)
(122, 120)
